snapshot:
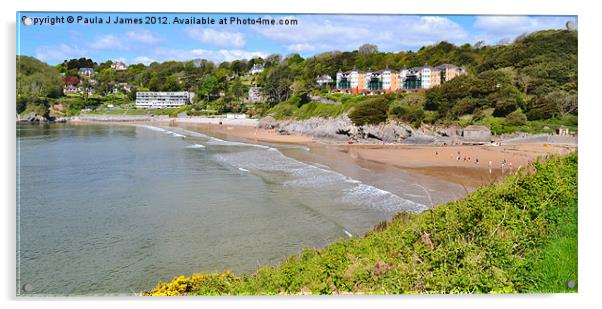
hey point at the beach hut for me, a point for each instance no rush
(476, 134)
(562, 131)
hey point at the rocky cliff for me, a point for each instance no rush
(342, 129)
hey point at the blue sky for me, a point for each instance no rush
(144, 43)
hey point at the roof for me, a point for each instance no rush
(476, 128)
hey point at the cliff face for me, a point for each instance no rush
(342, 129)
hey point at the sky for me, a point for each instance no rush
(313, 34)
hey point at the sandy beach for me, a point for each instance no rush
(435, 161)
(468, 166)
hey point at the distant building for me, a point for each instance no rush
(70, 89)
(257, 68)
(254, 94)
(119, 66)
(351, 81)
(476, 134)
(446, 72)
(88, 72)
(562, 131)
(119, 86)
(324, 80)
(427, 77)
(153, 99)
(370, 82)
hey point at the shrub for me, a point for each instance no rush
(516, 118)
(370, 111)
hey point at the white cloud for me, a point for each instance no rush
(144, 60)
(216, 38)
(143, 36)
(125, 41)
(216, 56)
(301, 47)
(109, 41)
(59, 53)
(348, 32)
(493, 29)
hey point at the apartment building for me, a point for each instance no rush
(370, 82)
(157, 99)
(427, 77)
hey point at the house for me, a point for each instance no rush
(254, 94)
(160, 99)
(324, 80)
(119, 66)
(88, 72)
(119, 86)
(257, 68)
(563, 131)
(476, 134)
(70, 89)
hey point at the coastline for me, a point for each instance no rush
(428, 160)
(434, 161)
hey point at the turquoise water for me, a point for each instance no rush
(113, 209)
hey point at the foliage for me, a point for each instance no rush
(537, 73)
(409, 109)
(504, 238)
(370, 111)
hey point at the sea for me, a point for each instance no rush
(113, 209)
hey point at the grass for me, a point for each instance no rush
(172, 112)
(558, 258)
(498, 125)
(515, 236)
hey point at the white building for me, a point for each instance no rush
(257, 68)
(323, 80)
(119, 66)
(254, 94)
(155, 99)
(88, 72)
(426, 77)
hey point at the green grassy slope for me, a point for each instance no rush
(516, 236)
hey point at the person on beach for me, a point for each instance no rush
(511, 169)
(503, 166)
(476, 160)
(490, 165)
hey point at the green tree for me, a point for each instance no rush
(208, 87)
(370, 111)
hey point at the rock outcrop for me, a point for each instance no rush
(342, 129)
(32, 118)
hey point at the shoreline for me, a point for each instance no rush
(436, 161)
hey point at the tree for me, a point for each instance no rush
(237, 89)
(208, 87)
(516, 118)
(367, 49)
(277, 87)
(506, 100)
(171, 84)
(371, 111)
(71, 80)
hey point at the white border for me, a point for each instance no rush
(589, 105)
